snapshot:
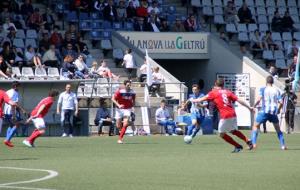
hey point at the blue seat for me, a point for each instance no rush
(19, 43)
(31, 42)
(106, 34)
(171, 18)
(72, 16)
(128, 26)
(84, 16)
(107, 25)
(96, 16)
(117, 25)
(84, 26)
(96, 25)
(96, 35)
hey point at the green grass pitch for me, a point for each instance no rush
(153, 163)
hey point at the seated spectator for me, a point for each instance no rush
(141, 11)
(256, 43)
(93, 70)
(72, 33)
(103, 118)
(224, 37)
(82, 47)
(273, 72)
(178, 26)
(8, 54)
(121, 11)
(8, 25)
(140, 24)
(12, 33)
(20, 23)
(32, 58)
(41, 32)
(19, 59)
(4, 69)
(26, 9)
(44, 43)
(50, 58)
(164, 27)
(99, 5)
(6, 14)
(143, 71)
(183, 109)
(130, 11)
(230, 13)
(35, 20)
(293, 49)
(48, 19)
(135, 3)
(69, 51)
(153, 25)
(287, 23)
(81, 66)
(245, 15)
(190, 24)
(268, 41)
(69, 69)
(153, 7)
(56, 38)
(110, 12)
(276, 22)
(157, 79)
(163, 118)
(105, 72)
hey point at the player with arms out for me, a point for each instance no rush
(271, 101)
(224, 100)
(124, 99)
(37, 117)
(12, 115)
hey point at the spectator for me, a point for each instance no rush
(19, 60)
(69, 70)
(157, 79)
(7, 26)
(105, 72)
(44, 43)
(290, 99)
(230, 13)
(129, 63)
(42, 31)
(48, 19)
(153, 25)
(121, 11)
(292, 68)
(35, 20)
(12, 33)
(26, 9)
(130, 11)
(82, 47)
(256, 43)
(4, 71)
(67, 107)
(99, 5)
(178, 26)
(276, 22)
(293, 49)
(110, 12)
(13, 6)
(224, 37)
(268, 41)
(93, 70)
(49, 58)
(143, 71)
(140, 24)
(141, 11)
(20, 23)
(135, 3)
(69, 51)
(72, 33)
(287, 23)
(6, 14)
(245, 15)
(183, 109)
(103, 118)
(8, 54)
(163, 118)
(164, 27)
(190, 24)
(56, 38)
(32, 58)
(273, 72)
(154, 7)
(81, 66)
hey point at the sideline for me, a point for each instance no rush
(51, 174)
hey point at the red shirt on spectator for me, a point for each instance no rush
(125, 98)
(47, 102)
(141, 12)
(3, 98)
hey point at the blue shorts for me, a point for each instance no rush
(8, 119)
(197, 117)
(263, 117)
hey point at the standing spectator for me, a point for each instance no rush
(49, 58)
(178, 26)
(44, 43)
(37, 116)
(35, 20)
(289, 106)
(32, 58)
(230, 13)
(276, 22)
(48, 19)
(190, 24)
(164, 27)
(293, 49)
(26, 9)
(245, 15)
(143, 71)
(110, 12)
(103, 118)
(129, 63)
(124, 99)
(121, 11)
(130, 11)
(287, 23)
(164, 119)
(56, 38)
(140, 24)
(67, 107)
(157, 79)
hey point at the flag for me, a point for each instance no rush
(296, 77)
(149, 71)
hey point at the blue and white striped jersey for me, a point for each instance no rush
(270, 99)
(195, 106)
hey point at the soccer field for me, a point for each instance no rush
(154, 162)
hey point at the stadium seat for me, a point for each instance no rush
(31, 42)
(281, 3)
(281, 10)
(279, 45)
(297, 35)
(219, 19)
(263, 27)
(242, 28)
(252, 27)
(231, 28)
(96, 25)
(84, 26)
(262, 19)
(16, 71)
(31, 34)
(96, 35)
(243, 37)
(291, 3)
(128, 26)
(270, 3)
(280, 63)
(20, 34)
(218, 11)
(106, 44)
(217, 3)
(261, 10)
(259, 3)
(206, 3)
(196, 3)
(171, 18)
(53, 73)
(106, 25)
(270, 11)
(118, 53)
(19, 43)
(95, 17)
(207, 11)
(72, 16)
(295, 18)
(286, 36)
(27, 73)
(286, 44)
(276, 36)
(106, 34)
(117, 25)
(102, 92)
(278, 54)
(268, 55)
(293, 11)
(40, 73)
(84, 17)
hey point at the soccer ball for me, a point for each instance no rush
(188, 139)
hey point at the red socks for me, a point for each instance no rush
(35, 134)
(230, 140)
(240, 135)
(123, 130)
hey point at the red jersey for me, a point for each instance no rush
(125, 98)
(47, 102)
(224, 100)
(3, 98)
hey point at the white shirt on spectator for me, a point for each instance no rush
(49, 56)
(156, 10)
(162, 114)
(80, 65)
(129, 62)
(143, 69)
(157, 78)
(68, 101)
(136, 3)
(6, 26)
(29, 55)
(14, 96)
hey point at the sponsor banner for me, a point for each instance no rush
(167, 42)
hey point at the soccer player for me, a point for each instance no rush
(224, 100)
(4, 98)
(12, 114)
(124, 99)
(271, 106)
(37, 117)
(197, 111)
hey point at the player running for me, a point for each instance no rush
(271, 106)
(124, 99)
(197, 111)
(224, 100)
(12, 114)
(37, 117)
(4, 99)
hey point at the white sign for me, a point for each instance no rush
(239, 84)
(169, 42)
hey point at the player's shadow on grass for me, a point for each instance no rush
(135, 143)
(17, 159)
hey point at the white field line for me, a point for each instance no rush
(27, 188)
(51, 173)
